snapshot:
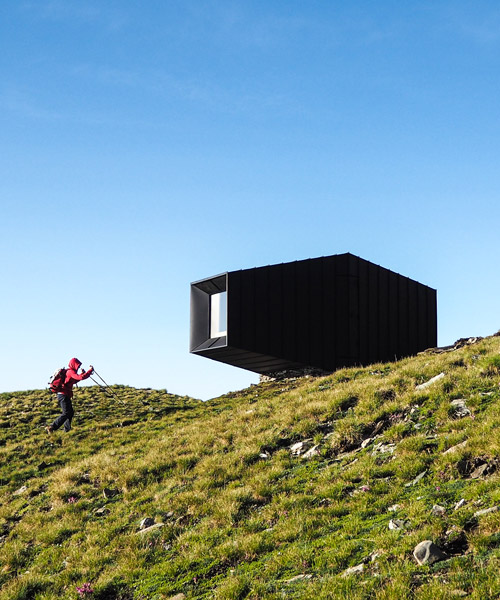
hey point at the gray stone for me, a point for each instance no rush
(456, 447)
(110, 493)
(101, 511)
(314, 451)
(459, 504)
(300, 447)
(147, 522)
(424, 386)
(438, 511)
(427, 553)
(177, 597)
(416, 480)
(479, 472)
(382, 448)
(397, 524)
(486, 511)
(20, 491)
(365, 443)
(151, 528)
(460, 409)
(357, 570)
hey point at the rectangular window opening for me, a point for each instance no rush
(218, 315)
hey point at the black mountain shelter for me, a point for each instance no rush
(322, 313)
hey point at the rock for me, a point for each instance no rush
(382, 448)
(456, 447)
(427, 553)
(20, 491)
(177, 597)
(101, 511)
(300, 447)
(394, 508)
(460, 409)
(379, 425)
(357, 570)
(314, 451)
(365, 443)
(459, 504)
(462, 342)
(438, 511)
(486, 511)
(455, 541)
(397, 524)
(424, 386)
(110, 493)
(151, 528)
(416, 480)
(265, 455)
(146, 522)
(479, 471)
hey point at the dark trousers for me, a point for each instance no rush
(67, 413)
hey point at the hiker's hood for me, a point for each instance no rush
(74, 364)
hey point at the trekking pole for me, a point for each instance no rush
(105, 386)
(109, 393)
(96, 373)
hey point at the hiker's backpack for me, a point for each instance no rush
(56, 382)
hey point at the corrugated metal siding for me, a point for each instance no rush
(327, 312)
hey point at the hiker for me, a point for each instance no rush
(66, 393)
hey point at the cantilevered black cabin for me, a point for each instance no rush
(325, 313)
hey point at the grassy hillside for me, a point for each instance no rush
(240, 509)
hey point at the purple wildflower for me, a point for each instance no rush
(84, 590)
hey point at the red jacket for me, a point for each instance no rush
(72, 377)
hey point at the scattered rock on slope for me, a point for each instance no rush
(460, 409)
(416, 480)
(300, 448)
(427, 553)
(357, 570)
(151, 528)
(146, 522)
(424, 386)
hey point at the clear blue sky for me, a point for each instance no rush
(145, 145)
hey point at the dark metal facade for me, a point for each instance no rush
(325, 313)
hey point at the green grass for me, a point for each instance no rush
(243, 517)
